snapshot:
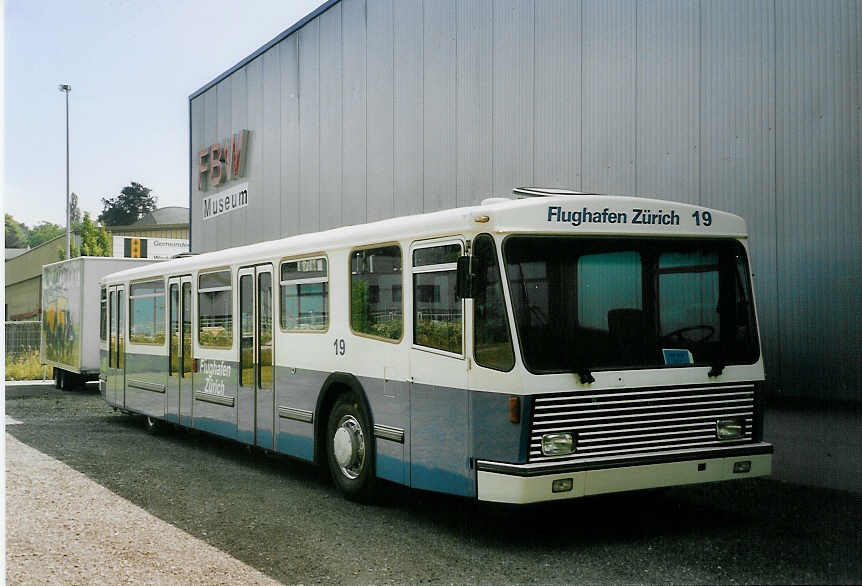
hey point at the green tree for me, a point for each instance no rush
(16, 233)
(43, 232)
(128, 207)
(95, 240)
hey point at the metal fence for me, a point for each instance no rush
(22, 337)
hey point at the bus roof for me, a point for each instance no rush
(575, 214)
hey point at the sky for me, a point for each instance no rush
(132, 65)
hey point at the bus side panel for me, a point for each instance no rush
(103, 373)
(440, 438)
(495, 436)
(390, 407)
(145, 380)
(296, 392)
(214, 408)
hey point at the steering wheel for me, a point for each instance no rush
(680, 334)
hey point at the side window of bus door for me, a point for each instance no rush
(492, 341)
(437, 310)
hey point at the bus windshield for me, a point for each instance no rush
(601, 303)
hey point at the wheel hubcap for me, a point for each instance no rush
(348, 446)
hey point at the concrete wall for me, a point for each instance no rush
(23, 290)
(377, 108)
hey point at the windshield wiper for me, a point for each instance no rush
(717, 365)
(583, 372)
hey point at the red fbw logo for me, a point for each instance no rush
(218, 163)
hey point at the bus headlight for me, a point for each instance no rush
(558, 444)
(729, 429)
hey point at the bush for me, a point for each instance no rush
(26, 367)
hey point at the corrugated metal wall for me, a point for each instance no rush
(377, 108)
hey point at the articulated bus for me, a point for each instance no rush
(547, 346)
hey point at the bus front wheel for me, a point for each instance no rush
(350, 449)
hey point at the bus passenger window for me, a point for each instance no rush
(437, 309)
(147, 313)
(492, 342)
(246, 331)
(188, 359)
(305, 295)
(173, 330)
(103, 316)
(215, 310)
(373, 307)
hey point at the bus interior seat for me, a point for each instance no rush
(629, 334)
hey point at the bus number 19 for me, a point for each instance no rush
(340, 346)
(702, 218)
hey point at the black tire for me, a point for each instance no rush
(57, 380)
(70, 381)
(354, 473)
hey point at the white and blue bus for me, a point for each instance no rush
(548, 346)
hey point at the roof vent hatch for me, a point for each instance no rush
(522, 192)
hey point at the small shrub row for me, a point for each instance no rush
(26, 367)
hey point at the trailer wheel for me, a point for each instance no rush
(350, 449)
(57, 372)
(69, 380)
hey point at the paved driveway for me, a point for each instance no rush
(284, 519)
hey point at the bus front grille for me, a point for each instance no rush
(641, 421)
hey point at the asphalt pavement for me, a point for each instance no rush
(285, 519)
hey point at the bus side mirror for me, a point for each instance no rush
(464, 282)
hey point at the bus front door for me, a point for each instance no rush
(180, 359)
(256, 394)
(116, 373)
(439, 400)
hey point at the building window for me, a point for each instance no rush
(437, 309)
(215, 310)
(147, 312)
(373, 307)
(305, 295)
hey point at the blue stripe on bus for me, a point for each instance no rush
(446, 427)
(299, 446)
(216, 427)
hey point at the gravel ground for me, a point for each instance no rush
(63, 528)
(284, 519)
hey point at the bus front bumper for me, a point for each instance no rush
(547, 481)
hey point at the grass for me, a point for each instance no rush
(26, 367)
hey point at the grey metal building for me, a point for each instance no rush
(368, 109)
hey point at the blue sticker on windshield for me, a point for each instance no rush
(676, 356)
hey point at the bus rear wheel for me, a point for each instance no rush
(350, 449)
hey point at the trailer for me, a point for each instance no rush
(71, 315)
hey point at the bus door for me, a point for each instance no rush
(180, 359)
(256, 394)
(116, 371)
(439, 425)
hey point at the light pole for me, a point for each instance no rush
(66, 88)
